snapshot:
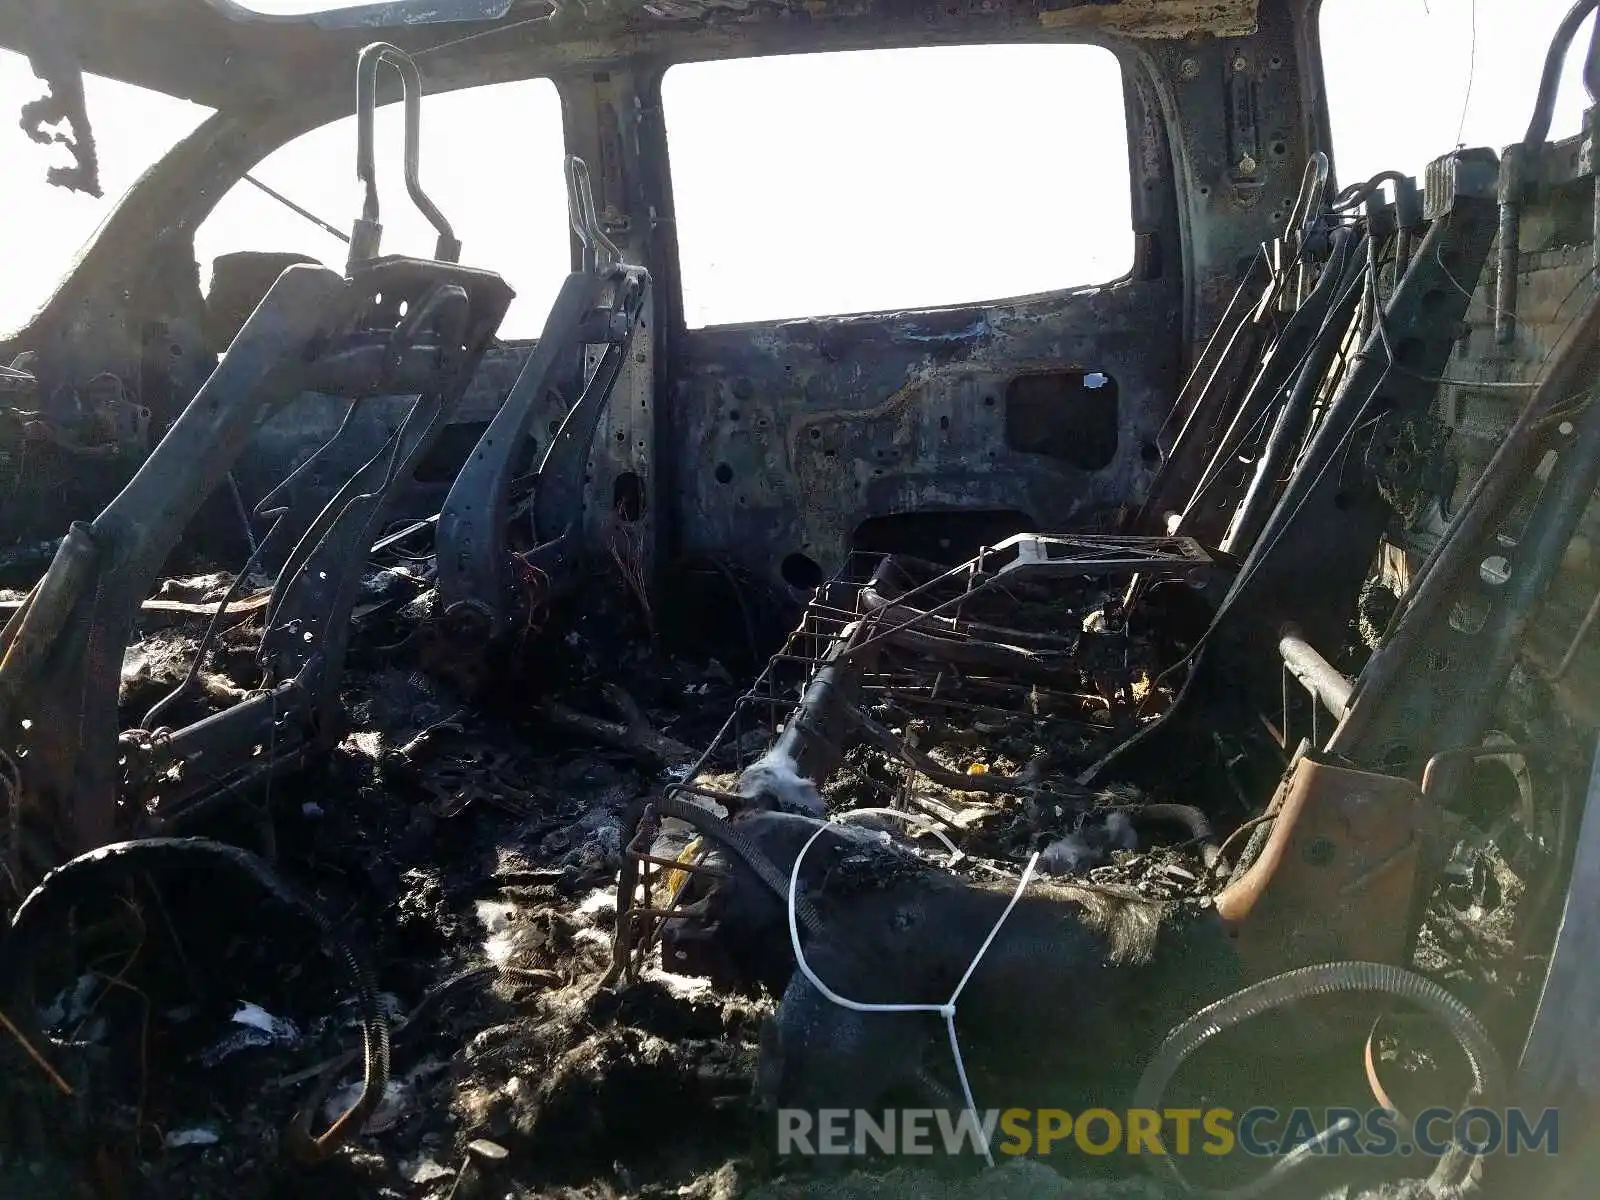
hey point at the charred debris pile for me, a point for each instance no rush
(410, 860)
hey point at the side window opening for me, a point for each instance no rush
(491, 161)
(861, 181)
(43, 228)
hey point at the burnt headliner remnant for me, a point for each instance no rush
(216, 53)
(53, 55)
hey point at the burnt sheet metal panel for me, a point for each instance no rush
(801, 430)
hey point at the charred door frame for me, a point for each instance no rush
(1199, 217)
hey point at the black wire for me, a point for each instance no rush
(1257, 555)
(47, 908)
(1333, 268)
(1357, 192)
(208, 637)
(1472, 75)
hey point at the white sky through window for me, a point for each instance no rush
(1400, 73)
(821, 184)
(508, 209)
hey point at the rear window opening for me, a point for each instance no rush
(526, 242)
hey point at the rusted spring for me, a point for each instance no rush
(654, 918)
(48, 905)
(645, 827)
(1291, 987)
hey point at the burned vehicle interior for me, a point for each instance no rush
(442, 762)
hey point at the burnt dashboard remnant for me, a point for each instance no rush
(438, 765)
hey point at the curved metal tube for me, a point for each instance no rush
(599, 249)
(1359, 193)
(1555, 58)
(1515, 167)
(371, 57)
(1313, 185)
(1320, 677)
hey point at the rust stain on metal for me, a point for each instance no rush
(1159, 18)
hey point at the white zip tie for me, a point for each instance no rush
(947, 1010)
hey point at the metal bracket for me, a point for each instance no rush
(311, 327)
(478, 583)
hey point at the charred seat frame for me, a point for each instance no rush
(392, 325)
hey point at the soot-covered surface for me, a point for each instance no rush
(480, 843)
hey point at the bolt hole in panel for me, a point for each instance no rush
(801, 571)
(627, 497)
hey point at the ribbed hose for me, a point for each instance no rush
(88, 875)
(1327, 979)
(729, 835)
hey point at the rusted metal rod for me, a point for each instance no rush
(1320, 677)
(1583, 627)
